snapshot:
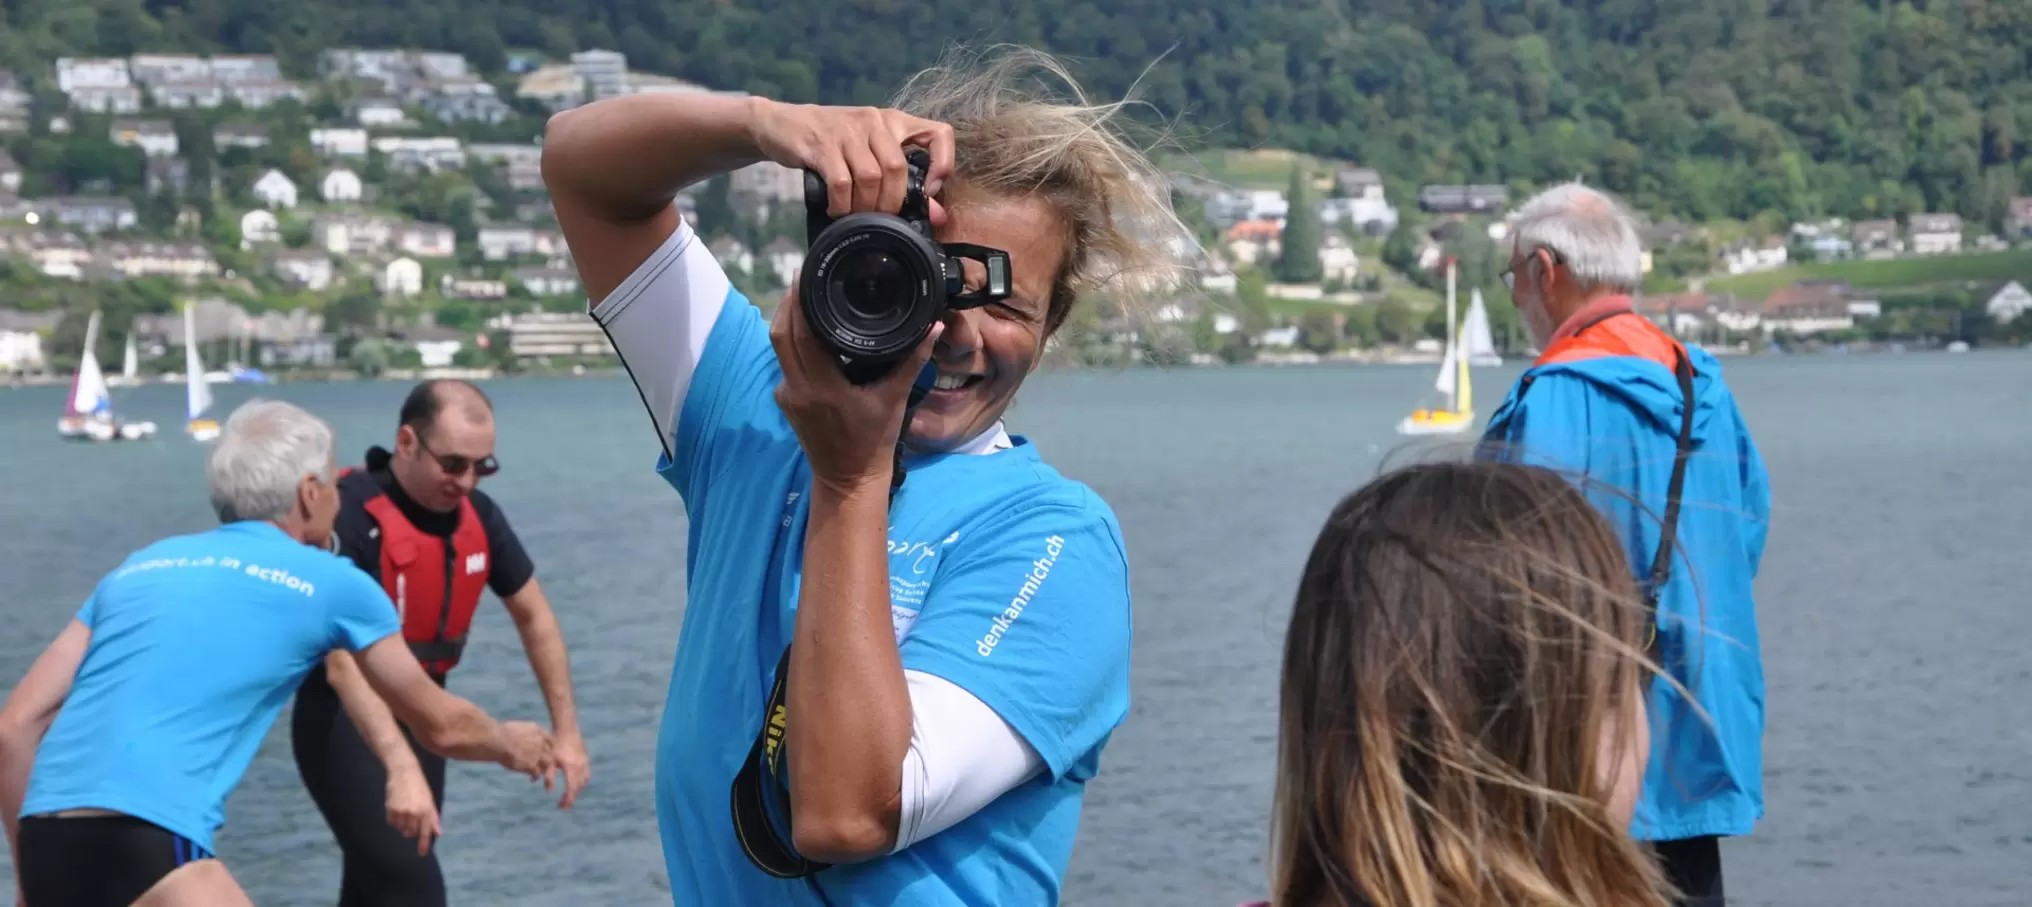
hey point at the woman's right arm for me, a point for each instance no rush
(613, 168)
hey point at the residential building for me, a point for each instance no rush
(502, 242)
(205, 93)
(371, 112)
(340, 141)
(400, 277)
(558, 87)
(168, 176)
(605, 73)
(341, 185)
(21, 339)
(767, 183)
(485, 288)
(15, 102)
(275, 190)
(2004, 304)
(732, 254)
(93, 215)
(241, 135)
(353, 234)
(548, 281)
(1473, 199)
(309, 268)
(155, 138)
(259, 227)
(1814, 306)
(540, 335)
(1337, 260)
(10, 173)
(783, 259)
(188, 261)
(466, 99)
(60, 254)
(1877, 238)
(2018, 224)
(1755, 255)
(427, 240)
(1935, 234)
(432, 154)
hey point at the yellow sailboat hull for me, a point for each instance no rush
(1436, 422)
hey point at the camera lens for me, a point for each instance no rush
(876, 289)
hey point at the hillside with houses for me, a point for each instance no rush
(389, 211)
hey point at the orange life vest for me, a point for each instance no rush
(435, 586)
(1609, 335)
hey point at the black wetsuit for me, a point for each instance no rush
(97, 861)
(341, 772)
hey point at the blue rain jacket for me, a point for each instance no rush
(1606, 404)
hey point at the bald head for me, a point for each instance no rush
(432, 400)
(445, 443)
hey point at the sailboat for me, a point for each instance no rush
(130, 363)
(88, 411)
(1471, 344)
(197, 391)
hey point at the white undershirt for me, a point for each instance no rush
(962, 755)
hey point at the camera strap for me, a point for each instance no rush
(762, 771)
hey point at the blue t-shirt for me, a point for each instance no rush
(1006, 579)
(197, 641)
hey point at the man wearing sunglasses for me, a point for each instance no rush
(413, 519)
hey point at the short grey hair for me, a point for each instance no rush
(263, 451)
(1593, 234)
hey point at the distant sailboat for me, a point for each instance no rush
(130, 364)
(197, 391)
(1453, 379)
(1477, 341)
(88, 411)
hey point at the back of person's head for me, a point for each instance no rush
(1023, 126)
(1462, 704)
(1589, 230)
(262, 455)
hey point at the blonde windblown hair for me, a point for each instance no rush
(1465, 639)
(1015, 135)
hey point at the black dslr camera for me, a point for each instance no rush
(873, 284)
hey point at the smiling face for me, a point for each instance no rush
(986, 352)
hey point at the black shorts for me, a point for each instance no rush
(98, 861)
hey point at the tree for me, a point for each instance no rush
(1318, 333)
(1299, 261)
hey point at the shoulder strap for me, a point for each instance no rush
(1668, 533)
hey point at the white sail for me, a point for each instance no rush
(1477, 343)
(90, 394)
(130, 365)
(1445, 383)
(197, 392)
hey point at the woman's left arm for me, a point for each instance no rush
(849, 706)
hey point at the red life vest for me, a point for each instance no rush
(435, 586)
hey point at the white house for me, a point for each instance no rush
(340, 141)
(2009, 302)
(1337, 259)
(275, 190)
(259, 226)
(308, 267)
(400, 277)
(427, 240)
(1936, 234)
(341, 185)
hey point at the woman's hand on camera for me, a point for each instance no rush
(858, 150)
(848, 433)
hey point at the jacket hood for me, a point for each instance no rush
(1649, 387)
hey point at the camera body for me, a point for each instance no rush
(873, 283)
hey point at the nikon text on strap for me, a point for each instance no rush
(1668, 533)
(763, 770)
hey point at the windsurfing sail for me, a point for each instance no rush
(197, 393)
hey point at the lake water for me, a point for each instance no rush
(1894, 612)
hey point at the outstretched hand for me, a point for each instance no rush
(848, 432)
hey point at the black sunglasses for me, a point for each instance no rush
(457, 464)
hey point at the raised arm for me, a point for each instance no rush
(613, 168)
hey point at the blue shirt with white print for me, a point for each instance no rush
(1006, 579)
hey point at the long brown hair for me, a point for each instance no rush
(1461, 636)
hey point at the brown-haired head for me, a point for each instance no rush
(1050, 176)
(1462, 698)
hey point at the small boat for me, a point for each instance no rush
(88, 411)
(197, 391)
(1471, 344)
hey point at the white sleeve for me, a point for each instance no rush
(658, 320)
(962, 756)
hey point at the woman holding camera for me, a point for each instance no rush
(944, 696)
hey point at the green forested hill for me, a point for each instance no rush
(1703, 108)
